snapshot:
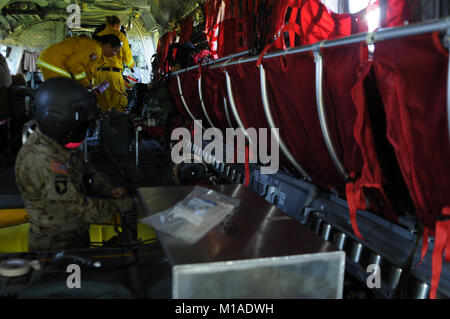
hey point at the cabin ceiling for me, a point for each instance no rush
(38, 23)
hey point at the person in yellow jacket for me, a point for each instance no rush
(77, 57)
(111, 69)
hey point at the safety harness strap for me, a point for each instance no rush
(441, 243)
(425, 244)
(356, 201)
(288, 27)
(240, 34)
(247, 167)
(292, 27)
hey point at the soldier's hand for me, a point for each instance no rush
(118, 192)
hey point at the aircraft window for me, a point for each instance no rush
(354, 6)
(357, 5)
(333, 5)
(347, 6)
(373, 19)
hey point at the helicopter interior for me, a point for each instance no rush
(302, 85)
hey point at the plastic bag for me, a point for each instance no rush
(194, 216)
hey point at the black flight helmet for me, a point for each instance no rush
(64, 110)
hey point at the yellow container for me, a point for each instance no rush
(14, 239)
(13, 217)
(101, 233)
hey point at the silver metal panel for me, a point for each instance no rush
(313, 276)
(257, 231)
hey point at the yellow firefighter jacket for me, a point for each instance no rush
(110, 69)
(75, 58)
(124, 56)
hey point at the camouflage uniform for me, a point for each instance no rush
(62, 194)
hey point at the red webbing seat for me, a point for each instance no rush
(247, 96)
(189, 85)
(412, 79)
(291, 91)
(345, 70)
(214, 92)
(173, 86)
(246, 90)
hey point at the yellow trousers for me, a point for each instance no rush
(115, 96)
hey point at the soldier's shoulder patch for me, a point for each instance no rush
(60, 185)
(59, 168)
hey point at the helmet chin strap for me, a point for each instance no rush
(75, 138)
(73, 146)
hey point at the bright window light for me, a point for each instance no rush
(373, 19)
(373, 23)
(357, 5)
(333, 5)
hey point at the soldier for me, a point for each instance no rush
(62, 193)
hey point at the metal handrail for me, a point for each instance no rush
(210, 62)
(235, 111)
(271, 122)
(318, 60)
(227, 113)
(232, 102)
(377, 36)
(180, 89)
(200, 94)
(370, 38)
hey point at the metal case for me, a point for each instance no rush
(256, 252)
